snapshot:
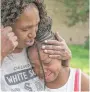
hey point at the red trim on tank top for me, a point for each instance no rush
(76, 82)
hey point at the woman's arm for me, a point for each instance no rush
(8, 41)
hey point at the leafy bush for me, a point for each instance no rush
(77, 11)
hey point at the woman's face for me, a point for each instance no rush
(52, 67)
(26, 26)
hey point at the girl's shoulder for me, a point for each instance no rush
(84, 82)
(83, 79)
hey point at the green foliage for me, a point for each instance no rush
(80, 58)
(77, 11)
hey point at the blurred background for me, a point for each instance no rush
(71, 20)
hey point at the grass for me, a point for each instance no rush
(80, 58)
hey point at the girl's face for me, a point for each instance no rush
(26, 26)
(51, 67)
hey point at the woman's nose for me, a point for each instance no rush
(33, 32)
(32, 35)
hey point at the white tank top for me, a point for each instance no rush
(70, 85)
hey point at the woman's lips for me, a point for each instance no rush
(30, 42)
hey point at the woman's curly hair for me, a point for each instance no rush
(11, 9)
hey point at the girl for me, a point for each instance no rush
(57, 76)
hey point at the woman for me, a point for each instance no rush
(27, 18)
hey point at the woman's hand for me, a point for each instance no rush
(57, 48)
(8, 41)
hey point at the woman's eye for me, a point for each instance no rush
(25, 30)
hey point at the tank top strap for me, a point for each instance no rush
(77, 81)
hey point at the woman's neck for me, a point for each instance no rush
(18, 50)
(61, 80)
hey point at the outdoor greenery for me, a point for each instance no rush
(77, 11)
(80, 57)
(86, 44)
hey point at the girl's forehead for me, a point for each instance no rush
(35, 54)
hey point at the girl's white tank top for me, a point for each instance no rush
(73, 84)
